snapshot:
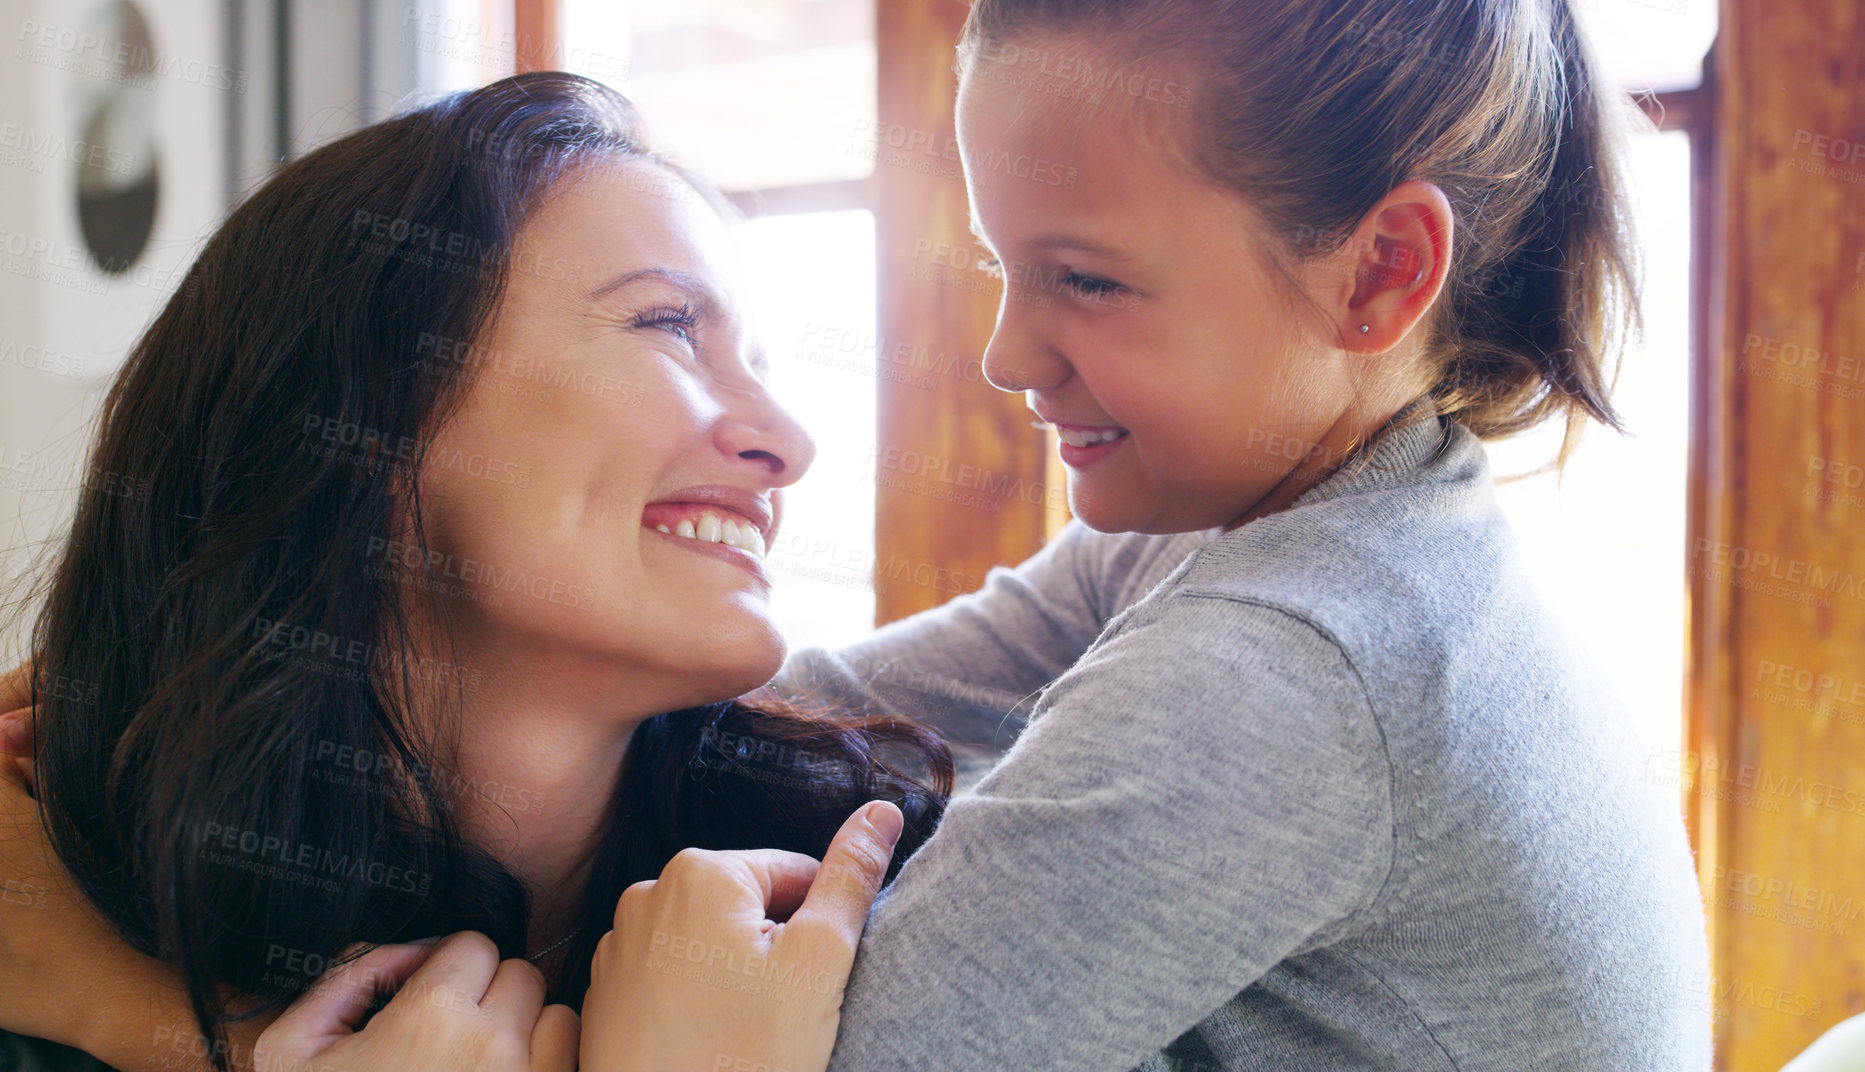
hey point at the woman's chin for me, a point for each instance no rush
(734, 673)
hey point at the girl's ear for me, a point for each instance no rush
(1396, 263)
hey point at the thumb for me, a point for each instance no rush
(852, 872)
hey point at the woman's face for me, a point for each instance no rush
(607, 488)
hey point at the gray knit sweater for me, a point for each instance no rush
(1331, 791)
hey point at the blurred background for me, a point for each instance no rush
(191, 104)
(128, 128)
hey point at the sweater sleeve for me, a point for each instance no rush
(1206, 794)
(972, 668)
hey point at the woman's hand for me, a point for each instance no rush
(456, 1007)
(698, 975)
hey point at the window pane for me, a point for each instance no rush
(1655, 45)
(754, 93)
(811, 278)
(1606, 545)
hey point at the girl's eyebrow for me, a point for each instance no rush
(1050, 243)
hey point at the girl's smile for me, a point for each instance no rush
(1083, 445)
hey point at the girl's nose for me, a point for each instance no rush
(1019, 359)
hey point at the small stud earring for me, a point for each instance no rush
(1364, 328)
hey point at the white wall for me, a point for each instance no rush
(214, 112)
(64, 325)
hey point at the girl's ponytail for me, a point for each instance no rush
(1535, 328)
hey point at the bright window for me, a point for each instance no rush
(813, 295)
(1606, 541)
(1650, 45)
(754, 93)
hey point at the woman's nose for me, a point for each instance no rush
(756, 428)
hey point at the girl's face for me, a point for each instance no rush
(608, 486)
(1138, 316)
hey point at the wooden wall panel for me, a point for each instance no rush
(1775, 772)
(538, 33)
(959, 471)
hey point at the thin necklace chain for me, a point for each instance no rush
(555, 944)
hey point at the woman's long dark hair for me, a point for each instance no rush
(244, 805)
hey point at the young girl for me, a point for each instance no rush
(1338, 792)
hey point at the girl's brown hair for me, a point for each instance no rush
(1313, 110)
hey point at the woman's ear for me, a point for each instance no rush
(1395, 266)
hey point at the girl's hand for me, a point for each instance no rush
(456, 1006)
(16, 745)
(89, 989)
(47, 928)
(698, 975)
(16, 687)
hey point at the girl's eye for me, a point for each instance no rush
(679, 322)
(1088, 286)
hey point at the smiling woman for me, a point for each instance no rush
(646, 296)
(391, 643)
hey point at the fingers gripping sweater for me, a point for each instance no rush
(1330, 791)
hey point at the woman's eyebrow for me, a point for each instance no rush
(704, 299)
(695, 288)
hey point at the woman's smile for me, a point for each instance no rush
(699, 521)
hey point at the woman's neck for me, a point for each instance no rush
(539, 757)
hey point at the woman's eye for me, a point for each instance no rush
(679, 322)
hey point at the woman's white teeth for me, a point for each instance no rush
(715, 529)
(1089, 439)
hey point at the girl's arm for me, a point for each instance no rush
(972, 667)
(1206, 795)
(89, 989)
